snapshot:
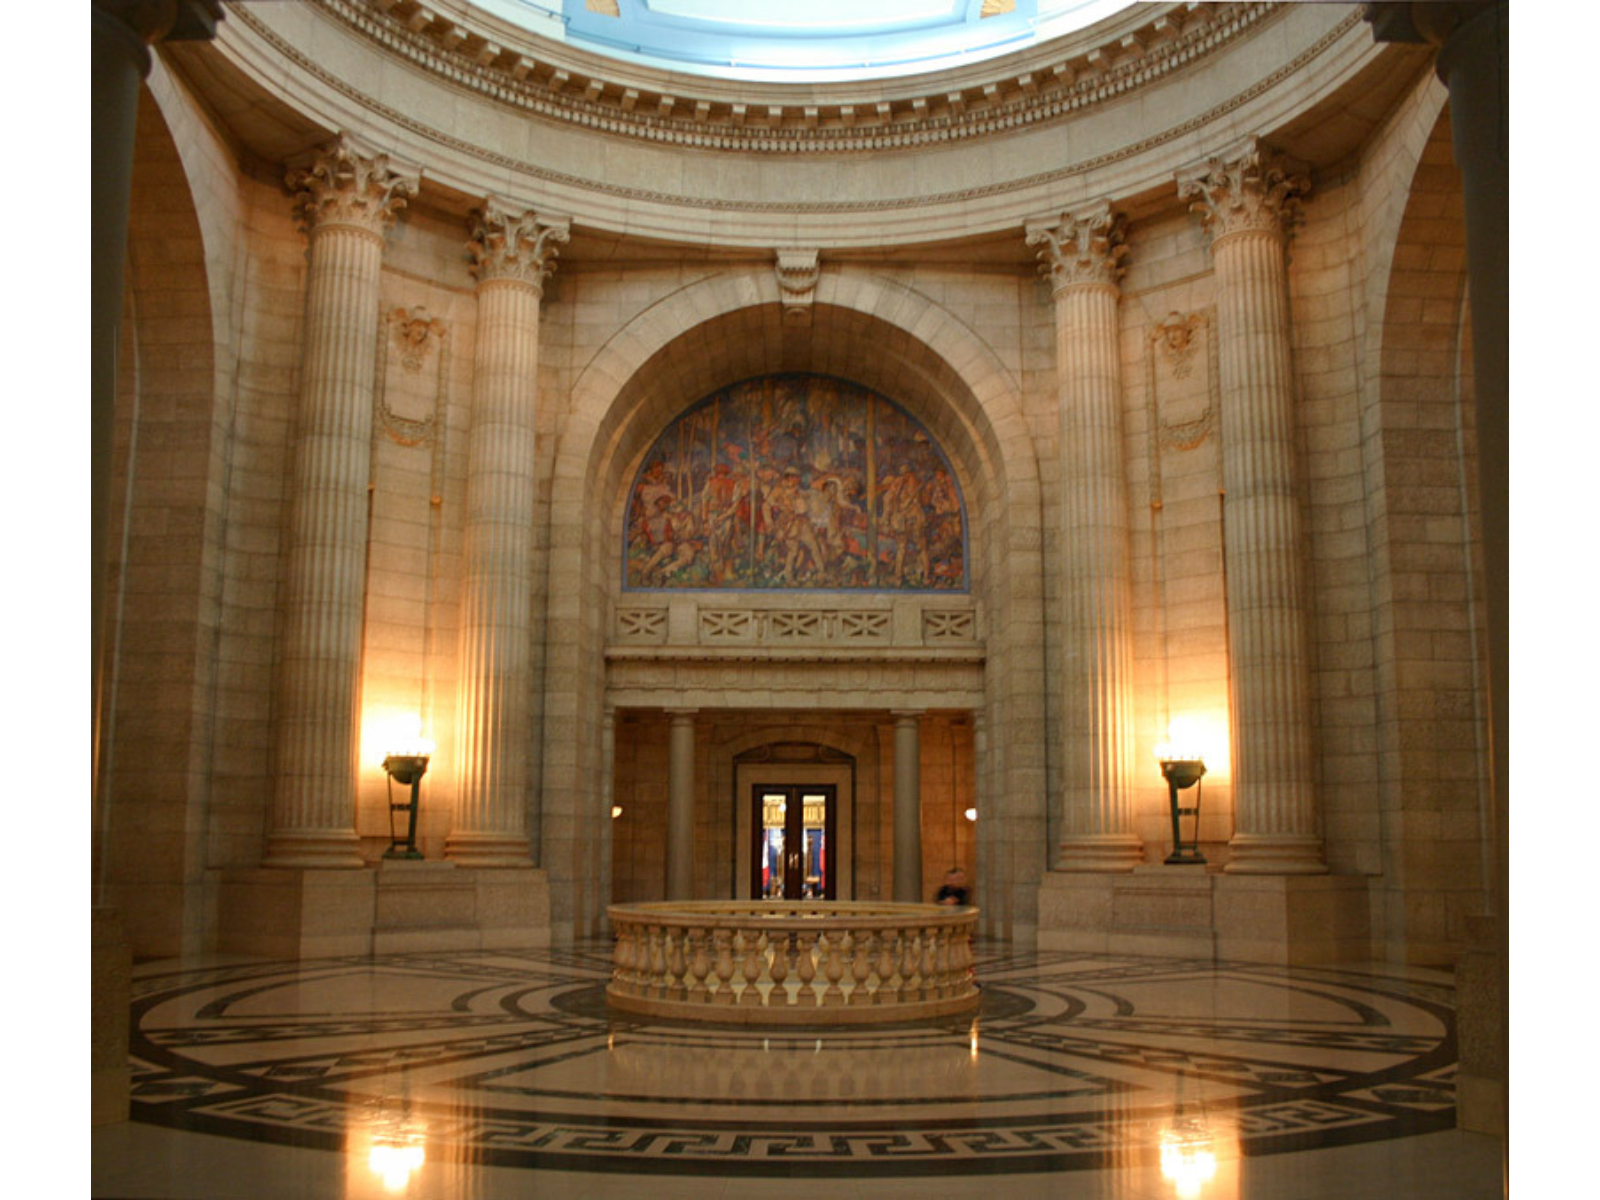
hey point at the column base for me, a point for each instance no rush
(314, 849)
(110, 995)
(1190, 912)
(1100, 852)
(1275, 854)
(399, 905)
(487, 850)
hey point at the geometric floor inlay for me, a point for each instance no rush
(1074, 1061)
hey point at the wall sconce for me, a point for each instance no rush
(616, 811)
(1182, 773)
(971, 814)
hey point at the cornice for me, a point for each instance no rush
(471, 51)
(537, 171)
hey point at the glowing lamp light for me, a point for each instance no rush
(1188, 1161)
(616, 811)
(395, 1164)
(971, 814)
(405, 762)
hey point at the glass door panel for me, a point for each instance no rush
(793, 842)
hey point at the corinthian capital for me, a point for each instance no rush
(515, 245)
(1080, 247)
(345, 184)
(1247, 189)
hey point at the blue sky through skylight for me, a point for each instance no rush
(802, 41)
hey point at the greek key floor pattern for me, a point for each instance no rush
(1075, 1067)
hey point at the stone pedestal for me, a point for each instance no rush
(397, 906)
(1191, 912)
(1298, 919)
(290, 912)
(111, 973)
(1167, 912)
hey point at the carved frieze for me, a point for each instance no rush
(1086, 246)
(1249, 190)
(346, 184)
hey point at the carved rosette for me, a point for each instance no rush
(518, 247)
(1249, 190)
(347, 186)
(1085, 247)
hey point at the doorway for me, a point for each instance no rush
(794, 845)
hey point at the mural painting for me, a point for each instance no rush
(796, 481)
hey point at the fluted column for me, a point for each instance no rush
(1082, 254)
(347, 200)
(680, 805)
(513, 252)
(1244, 198)
(908, 807)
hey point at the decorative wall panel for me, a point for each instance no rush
(791, 482)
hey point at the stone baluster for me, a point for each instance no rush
(1245, 199)
(658, 962)
(778, 944)
(699, 965)
(346, 199)
(724, 992)
(677, 963)
(860, 966)
(833, 968)
(750, 945)
(512, 253)
(886, 960)
(910, 977)
(806, 968)
(1082, 254)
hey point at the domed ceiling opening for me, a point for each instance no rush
(803, 41)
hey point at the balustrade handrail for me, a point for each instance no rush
(779, 961)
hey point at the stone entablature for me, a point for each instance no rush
(711, 623)
(473, 50)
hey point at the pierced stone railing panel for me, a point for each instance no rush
(805, 962)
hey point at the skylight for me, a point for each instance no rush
(803, 41)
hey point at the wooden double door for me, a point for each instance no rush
(794, 846)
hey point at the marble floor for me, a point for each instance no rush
(501, 1073)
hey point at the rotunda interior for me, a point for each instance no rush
(742, 486)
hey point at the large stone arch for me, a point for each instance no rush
(877, 331)
(1426, 573)
(164, 553)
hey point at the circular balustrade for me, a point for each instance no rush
(777, 962)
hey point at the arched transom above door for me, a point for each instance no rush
(793, 482)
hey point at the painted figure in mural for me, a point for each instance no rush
(724, 516)
(901, 518)
(792, 533)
